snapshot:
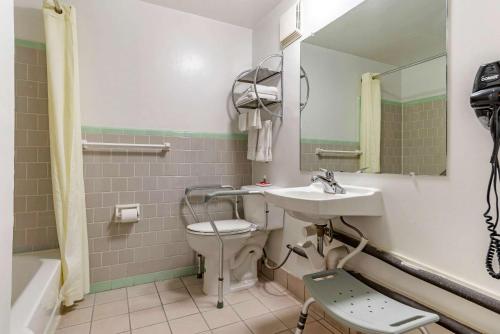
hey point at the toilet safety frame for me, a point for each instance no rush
(221, 191)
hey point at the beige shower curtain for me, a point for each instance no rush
(66, 150)
(370, 124)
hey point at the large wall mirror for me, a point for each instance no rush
(377, 99)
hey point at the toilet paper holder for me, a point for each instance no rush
(127, 213)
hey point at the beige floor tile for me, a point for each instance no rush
(266, 290)
(110, 296)
(192, 280)
(141, 290)
(75, 317)
(171, 284)
(278, 302)
(110, 310)
(329, 323)
(204, 302)
(112, 325)
(180, 309)
(143, 302)
(162, 328)
(238, 297)
(189, 325)
(220, 317)
(249, 309)
(78, 329)
(87, 301)
(316, 328)
(237, 328)
(265, 324)
(289, 316)
(172, 296)
(147, 317)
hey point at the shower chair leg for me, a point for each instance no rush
(303, 315)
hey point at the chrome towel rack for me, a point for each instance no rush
(337, 153)
(86, 145)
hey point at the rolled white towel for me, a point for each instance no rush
(252, 143)
(251, 96)
(262, 89)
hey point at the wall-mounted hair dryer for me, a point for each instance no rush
(485, 99)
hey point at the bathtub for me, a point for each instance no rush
(36, 278)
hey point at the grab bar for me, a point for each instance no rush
(338, 153)
(86, 145)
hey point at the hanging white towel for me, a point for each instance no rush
(242, 122)
(253, 119)
(264, 144)
(252, 143)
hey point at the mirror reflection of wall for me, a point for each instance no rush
(392, 121)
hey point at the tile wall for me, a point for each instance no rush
(390, 140)
(34, 222)
(310, 161)
(424, 137)
(155, 181)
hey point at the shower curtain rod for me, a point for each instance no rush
(418, 62)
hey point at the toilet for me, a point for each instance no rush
(243, 240)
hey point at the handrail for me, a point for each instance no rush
(337, 153)
(86, 145)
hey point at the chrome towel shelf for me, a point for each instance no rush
(86, 145)
(337, 153)
(261, 75)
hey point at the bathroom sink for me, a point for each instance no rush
(312, 204)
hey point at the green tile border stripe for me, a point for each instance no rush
(416, 101)
(326, 141)
(29, 44)
(142, 279)
(425, 99)
(154, 132)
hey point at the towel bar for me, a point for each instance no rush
(88, 145)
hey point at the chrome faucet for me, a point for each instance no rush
(330, 185)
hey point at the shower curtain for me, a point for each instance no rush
(370, 124)
(66, 150)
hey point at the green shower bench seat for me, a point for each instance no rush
(356, 305)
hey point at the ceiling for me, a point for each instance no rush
(395, 32)
(245, 13)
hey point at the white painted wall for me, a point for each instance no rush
(435, 221)
(147, 66)
(335, 80)
(7, 154)
(424, 80)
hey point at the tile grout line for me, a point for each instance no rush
(92, 315)
(162, 306)
(128, 309)
(194, 301)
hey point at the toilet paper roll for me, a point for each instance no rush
(129, 215)
(309, 230)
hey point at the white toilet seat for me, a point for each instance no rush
(225, 227)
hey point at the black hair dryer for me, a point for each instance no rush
(485, 99)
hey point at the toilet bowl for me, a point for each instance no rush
(243, 241)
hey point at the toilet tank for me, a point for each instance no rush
(254, 209)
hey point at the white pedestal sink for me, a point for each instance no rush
(312, 204)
